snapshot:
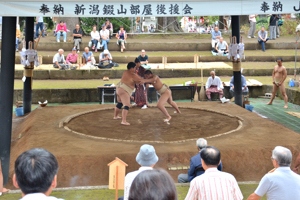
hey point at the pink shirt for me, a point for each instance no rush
(72, 58)
(59, 27)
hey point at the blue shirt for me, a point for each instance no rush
(214, 34)
(85, 56)
(195, 163)
(244, 82)
(282, 184)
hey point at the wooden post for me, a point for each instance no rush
(164, 60)
(117, 169)
(117, 172)
(196, 59)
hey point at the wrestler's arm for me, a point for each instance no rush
(151, 80)
(273, 75)
(284, 75)
(137, 79)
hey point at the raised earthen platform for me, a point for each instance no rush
(83, 160)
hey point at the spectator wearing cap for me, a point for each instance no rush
(109, 27)
(77, 34)
(72, 59)
(95, 38)
(59, 60)
(147, 158)
(104, 33)
(105, 60)
(121, 36)
(36, 174)
(61, 30)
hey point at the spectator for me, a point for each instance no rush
(222, 47)
(18, 34)
(95, 38)
(263, 38)
(109, 27)
(104, 36)
(59, 60)
(39, 25)
(77, 34)
(216, 35)
(213, 184)
(154, 184)
(196, 168)
(280, 183)
(61, 30)
(147, 158)
(105, 60)
(0, 27)
(245, 90)
(88, 58)
(252, 20)
(36, 174)
(214, 85)
(72, 59)
(2, 189)
(272, 26)
(121, 36)
(277, 26)
(144, 59)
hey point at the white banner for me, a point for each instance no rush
(158, 9)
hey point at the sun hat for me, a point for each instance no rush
(146, 156)
(106, 51)
(73, 49)
(103, 25)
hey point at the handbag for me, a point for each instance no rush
(90, 43)
(99, 45)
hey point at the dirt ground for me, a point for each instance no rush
(83, 161)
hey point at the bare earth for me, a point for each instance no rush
(83, 161)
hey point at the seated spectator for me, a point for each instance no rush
(95, 38)
(121, 36)
(216, 35)
(147, 158)
(109, 27)
(214, 85)
(59, 60)
(77, 34)
(72, 59)
(196, 168)
(245, 90)
(144, 59)
(36, 174)
(88, 58)
(154, 184)
(281, 182)
(2, 189)
(222, 47)
(105, 60)
(263, 38)
(104, 36)
(61, 30)
(18, 34)
(213, 184)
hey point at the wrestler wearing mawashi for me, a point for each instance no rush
(165, 94)
(279, 75)
(124, 90)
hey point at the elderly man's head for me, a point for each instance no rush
(216, 29)
(86, 49)
(143, 53)
(212, 74)
(77, 27)
(60, 51)
(221, 39)
(281, 157)
(262, 28)
(201, 143)
(36, 172)
(210, 156)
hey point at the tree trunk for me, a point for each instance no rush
(221, 22)
(244, 19)
(170, 24)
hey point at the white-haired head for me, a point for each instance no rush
(60, 50)
(283, 156)
(201, 143)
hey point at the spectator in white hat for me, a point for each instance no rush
(105, 60)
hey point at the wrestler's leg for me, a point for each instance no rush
(172, 103)
(117, 110)
(282, 90)
(160, 104)
(125, 98)
(275, 88)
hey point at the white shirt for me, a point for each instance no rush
(129, 179)
(95, 35)
(102, 56)
(104, 33)
(222, 45)
(216, 81)
(38, 196)
(58, 58)
(252, 18)
(214, 185)
(281, 184)
(41, 19)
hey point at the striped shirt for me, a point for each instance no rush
(214, 185)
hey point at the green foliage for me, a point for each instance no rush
(88, 22)
(211, 19)
(289, 27)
